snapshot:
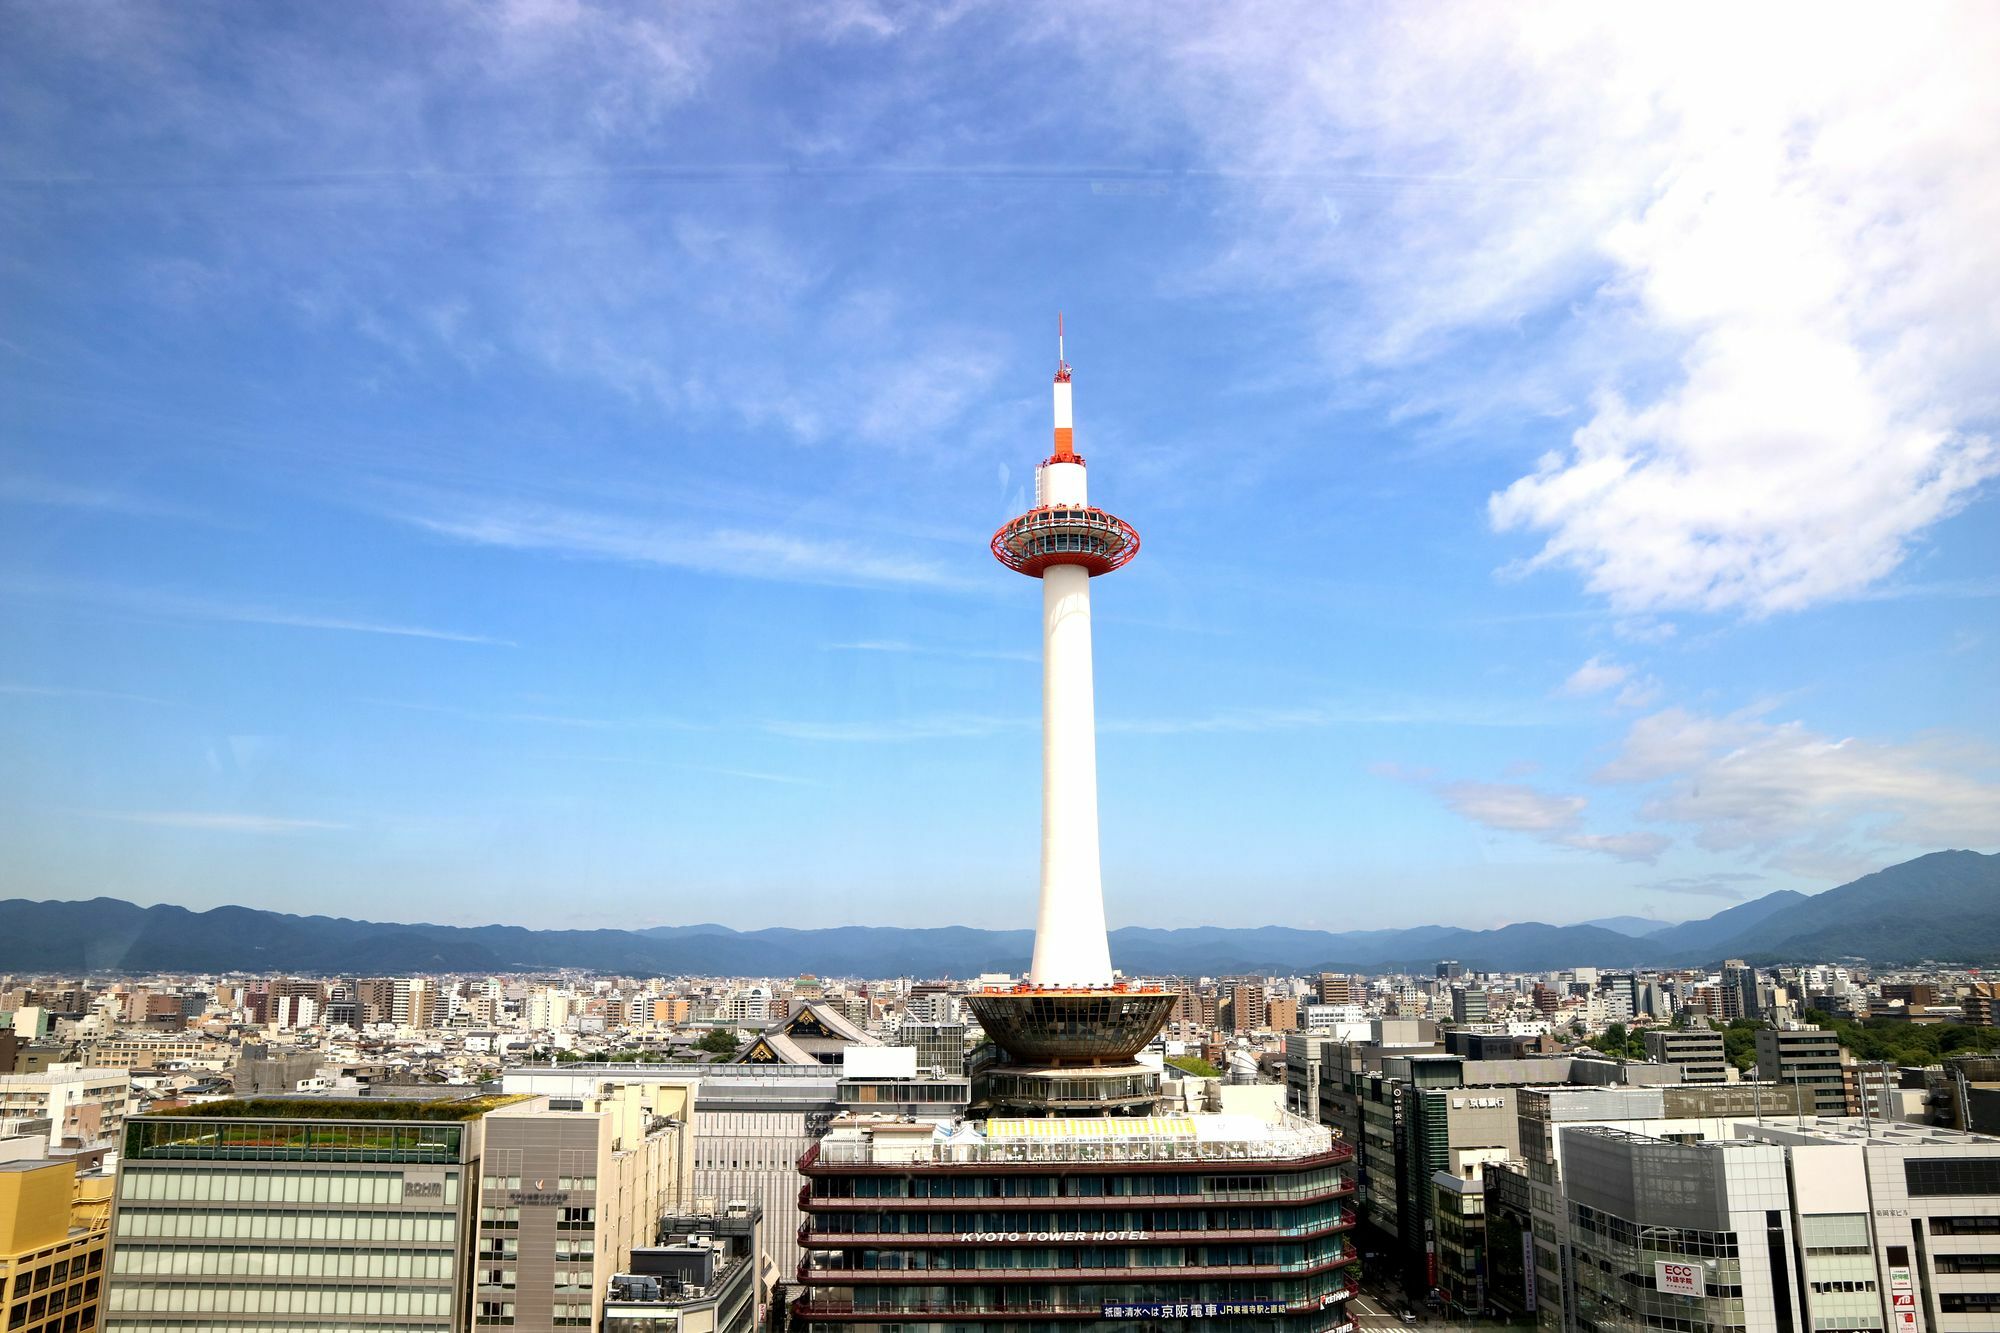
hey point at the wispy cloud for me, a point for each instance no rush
(777, 555)
(1601, 674)
(957, 726)
(902, 648)
(64, 495)
(540, 717)
(1778, 790)
(210, 821)
(1512, 807)
(168, 605)
(1722, 885)
(77, 692)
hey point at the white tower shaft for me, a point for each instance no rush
(1071, 948)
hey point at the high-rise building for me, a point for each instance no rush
(1809, 1058)
(1468, 1004)
(569, 1187)
(1335, 988)
(1698, 1051)
(1679, 1235)
(1068, 1200)
(1451, 970)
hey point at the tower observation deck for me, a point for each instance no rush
(1071, 1014)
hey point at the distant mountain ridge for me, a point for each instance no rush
(1945, 905)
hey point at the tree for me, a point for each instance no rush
(1195, 1065)
(718, 1041)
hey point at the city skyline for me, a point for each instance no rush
(449, 461)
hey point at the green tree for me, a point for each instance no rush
(718, 1041)
(1194, 1064)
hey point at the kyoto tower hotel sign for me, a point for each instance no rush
(1070, 1013)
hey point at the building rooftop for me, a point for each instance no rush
(858, 1140)
(341, 1108)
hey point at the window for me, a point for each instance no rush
(1931, 1176)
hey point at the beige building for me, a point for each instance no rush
(150, 1051)
(83, 1106)
(569, 1188)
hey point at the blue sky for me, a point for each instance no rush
(533, 462)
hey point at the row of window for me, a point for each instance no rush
(974, 1258)
(56, 1271)
(1306, 1217)
(1082, 1185)
(1933, 1176)
(1966, 1226)
(1830, 1288)
(206, 1261)
(1969, 1302)
(26, 1312)
(356, 1187)
(545, 1183)
(1027, 1297)
(1967, 1263)
(148, 1324)
(228, 1299)
(74, 1322)
(357, 1228)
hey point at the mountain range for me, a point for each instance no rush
(1943, 906)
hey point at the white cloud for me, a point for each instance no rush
(1600, 674)
(1780, 791)
(1753, 251)
(1596, 676)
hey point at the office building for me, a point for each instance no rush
(1808, 1058)
(1335, 988)
(1458, 1208)
(1698, 1051)
(1667, 1235)
(53, 1225)
(940, 1047)
(302, 1213)
(569, 1187)
(754, 1122)
(1903, 1225)
(1451, 970)
(1468, 1004)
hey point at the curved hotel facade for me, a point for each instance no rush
(1065, 1201)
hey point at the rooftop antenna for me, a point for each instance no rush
(1062, 364)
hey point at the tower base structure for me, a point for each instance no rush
(1069, 1050)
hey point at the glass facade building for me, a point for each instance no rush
(275, 1222)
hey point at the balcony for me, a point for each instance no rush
(807, 1308)
(899, 1240)
(929, 1277)
(1067, 1202)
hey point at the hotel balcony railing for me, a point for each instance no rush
(898, 1240)
(927, 1277)
(1294, 1141)
(808, 1307)
(1068, 1202)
